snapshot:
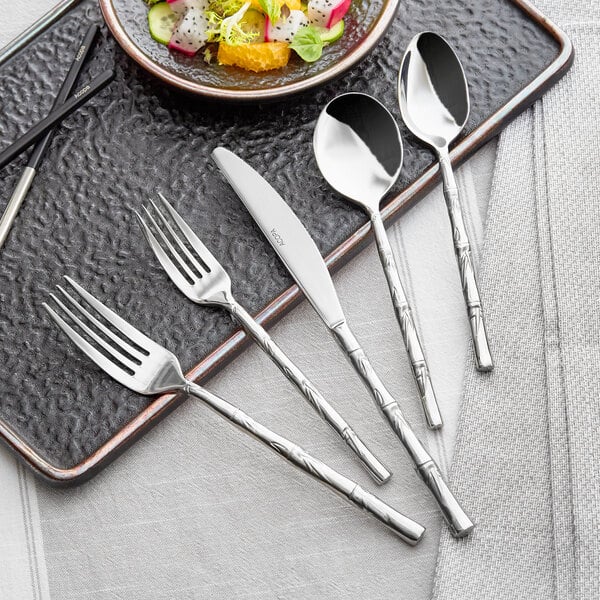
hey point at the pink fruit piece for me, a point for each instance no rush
(190, 33)
(285, 29)
(326, 13)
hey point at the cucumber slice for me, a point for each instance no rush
(161, 22)
(329, 36)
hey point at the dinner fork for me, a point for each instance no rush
(145, 367)
(204, 281)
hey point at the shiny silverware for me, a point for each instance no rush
(143, 366)
(359, 151)
(202, 279)
(303, 260)
(29, 172)
(434, 102)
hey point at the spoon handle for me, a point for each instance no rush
(458, 521)
(405, 528)
(404, 316)
(462, 249)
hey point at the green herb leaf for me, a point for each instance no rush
(308, 43)
(272, 9)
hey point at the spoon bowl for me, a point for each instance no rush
(358, 148)
(433, 91)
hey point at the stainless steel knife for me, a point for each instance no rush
(298, 251)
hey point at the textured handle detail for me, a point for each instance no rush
(462, 249)
(457, 520)
(459, 523)
(407, 529)
(407, 325)
(371, 463)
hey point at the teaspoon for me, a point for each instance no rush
(359, 151)
(434, 101)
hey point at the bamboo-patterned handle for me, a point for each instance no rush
(458, 522)
(371, 463)
(404, 316)
(462, 249)
(407, 529)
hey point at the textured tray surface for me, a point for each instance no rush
(138, 137)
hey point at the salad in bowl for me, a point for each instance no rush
(255, 35)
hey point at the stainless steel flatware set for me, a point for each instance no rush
(300, 254)
(359, 151)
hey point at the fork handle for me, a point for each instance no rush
(371, 463)
(407, 529)
(462, 249)
(404, 316)
(458, 522)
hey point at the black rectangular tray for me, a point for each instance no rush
(59, 413)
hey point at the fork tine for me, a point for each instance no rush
(102, 361)
(203, 252)
(168, 244)
(123, 345)
(136, 336)
(200, 268)
(163, 258)
(114, 352)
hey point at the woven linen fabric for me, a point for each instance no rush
(527, 453)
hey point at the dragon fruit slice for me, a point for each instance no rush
(326, 13)
(285, 29)
(190, 33)
(180, 7)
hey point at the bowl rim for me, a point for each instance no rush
(359, 52)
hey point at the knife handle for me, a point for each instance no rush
(458, 522)
(462, 250)
(404, 316)
(371, 463)
(407, 529)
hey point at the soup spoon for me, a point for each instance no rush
(434, 102)
(359, 151)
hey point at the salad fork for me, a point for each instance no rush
(145, 367)
(203, 280)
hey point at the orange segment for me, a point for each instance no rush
(263, 56)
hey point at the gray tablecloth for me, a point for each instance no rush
(528, 453)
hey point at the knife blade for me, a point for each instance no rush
(299, 253)
(286, 233)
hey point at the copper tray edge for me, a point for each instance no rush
(280, 306)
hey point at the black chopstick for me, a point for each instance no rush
(65, 90)
(57, 115)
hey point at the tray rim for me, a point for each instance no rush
(280, 306)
